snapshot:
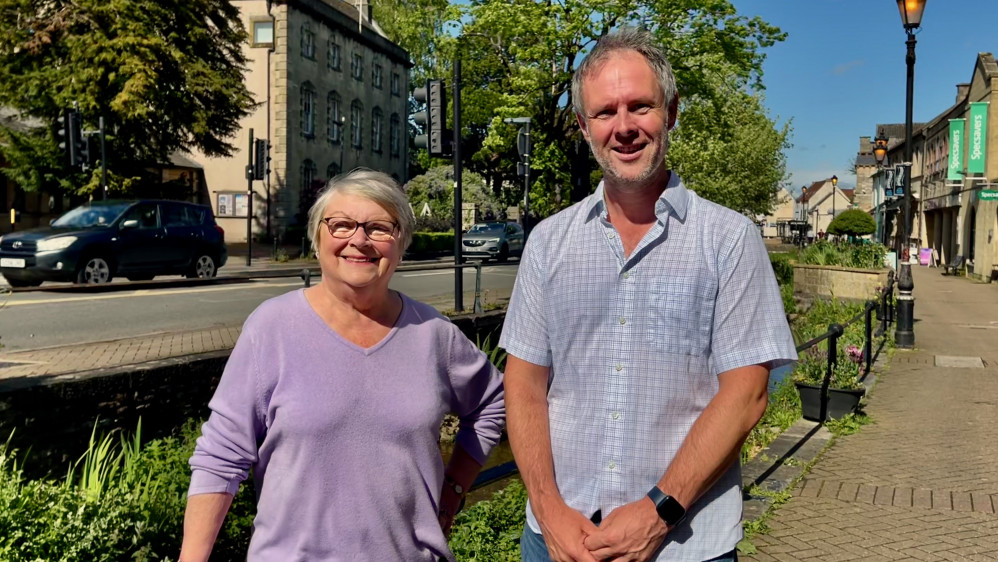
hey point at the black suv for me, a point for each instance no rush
(136, 239)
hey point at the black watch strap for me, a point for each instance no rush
(668, 508)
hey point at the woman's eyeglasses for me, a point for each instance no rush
(379, 231)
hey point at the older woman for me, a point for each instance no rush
(334, 396)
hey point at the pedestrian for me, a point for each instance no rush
(641, 332)
(334, 396)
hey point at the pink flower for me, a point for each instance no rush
(855, 354)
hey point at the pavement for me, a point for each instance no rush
(921, 481)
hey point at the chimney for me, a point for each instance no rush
(363, 14)
(865, 146)
(961, 92)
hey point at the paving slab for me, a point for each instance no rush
(921, 481)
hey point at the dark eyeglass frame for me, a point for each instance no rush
(358, 224)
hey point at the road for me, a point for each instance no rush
(41, 319)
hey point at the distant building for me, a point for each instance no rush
(782, 214)
(821, 202)
(333, 95)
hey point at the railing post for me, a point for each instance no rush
(868, 345)
(833, 359)
(478, 288)
(306, 275)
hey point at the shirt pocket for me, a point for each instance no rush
(680, 316)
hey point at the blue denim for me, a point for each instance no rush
(533, 549)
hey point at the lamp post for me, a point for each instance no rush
(904, 336)
(835, 184)
(880, 153)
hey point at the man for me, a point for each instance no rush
(641, 332)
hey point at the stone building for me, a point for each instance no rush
(333, 96)
(821, 202)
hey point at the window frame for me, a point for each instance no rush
(307, 110)
(357, 124)
(334, 62)
(377, 128)
(334, 118)
(307, 42)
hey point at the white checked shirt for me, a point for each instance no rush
(635, 345)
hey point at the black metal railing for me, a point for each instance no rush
(883, 305)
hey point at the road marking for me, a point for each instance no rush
(147, 292)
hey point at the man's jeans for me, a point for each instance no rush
(533, 549)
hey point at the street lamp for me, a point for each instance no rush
(835, 183)
(904, 336)
(880, 154)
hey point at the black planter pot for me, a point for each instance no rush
(840, 401)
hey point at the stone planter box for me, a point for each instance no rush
(824, 281)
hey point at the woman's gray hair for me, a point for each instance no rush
(373, 186)
(625, 39)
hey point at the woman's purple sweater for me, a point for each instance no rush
(343, 440)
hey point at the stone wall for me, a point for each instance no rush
(52, 418)
(819, 281)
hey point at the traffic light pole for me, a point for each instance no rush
(249, 205)
(458, 215)
(103, 160)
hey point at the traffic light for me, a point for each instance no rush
(436, 138)
(71, 140)
(261, 158)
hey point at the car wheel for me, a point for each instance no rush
(503, 253)
(203, 267)
(95, 271)
(23, 283)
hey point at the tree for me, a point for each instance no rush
(165, 75)
(852, 222)
(436, 188)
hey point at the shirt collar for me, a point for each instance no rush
(674, 197)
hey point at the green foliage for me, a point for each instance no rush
(848, 424)
(425, 242)
(489, 531)
(782, 411)
(164, 77)
(858, 256)
(787, 296)
(852, 222)
(783, 268)
(813, 363)
(436, 188)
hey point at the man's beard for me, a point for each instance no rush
(632, 183)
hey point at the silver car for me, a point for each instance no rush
(492, 240)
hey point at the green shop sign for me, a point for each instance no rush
(977, 143)
(988, 195)
(956, 129)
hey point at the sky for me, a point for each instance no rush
(842, 70)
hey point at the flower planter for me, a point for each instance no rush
(840, 401)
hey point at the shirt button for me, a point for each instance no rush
(612, 465)
(615, 415)
(627, 275)
(623, 321)
(619, 367)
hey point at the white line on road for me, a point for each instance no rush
(146, 293)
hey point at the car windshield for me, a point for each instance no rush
(91, 215)
(493, 227)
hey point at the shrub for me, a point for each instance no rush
(427, 242)
(859, 256)
(783, 268)
(852, 222)
(490, 530)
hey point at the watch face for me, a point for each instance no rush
(458, 488)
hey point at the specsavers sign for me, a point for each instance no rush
(956, 129)
(977, 145)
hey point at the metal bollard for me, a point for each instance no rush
(306, 275)
(478, 288)
(868, 345)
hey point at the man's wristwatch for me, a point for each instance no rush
(670, 510)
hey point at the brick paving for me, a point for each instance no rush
(921, 481)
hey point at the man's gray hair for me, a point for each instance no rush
(625, 39)
(373, 186)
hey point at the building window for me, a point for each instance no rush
(357, 66)
(262, 32)
(332, 170)
(334, 118)
(307, 43)
(376, 125)
(308, 176)
(396, 83)
(376, 77)
(356, 121)
(307, 110)
(395, 135)
(333, 55)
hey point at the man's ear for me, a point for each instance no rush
(673, 112)
(583, 126)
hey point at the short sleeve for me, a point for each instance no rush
(524, 332)
(477, 397)
(750, 325)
